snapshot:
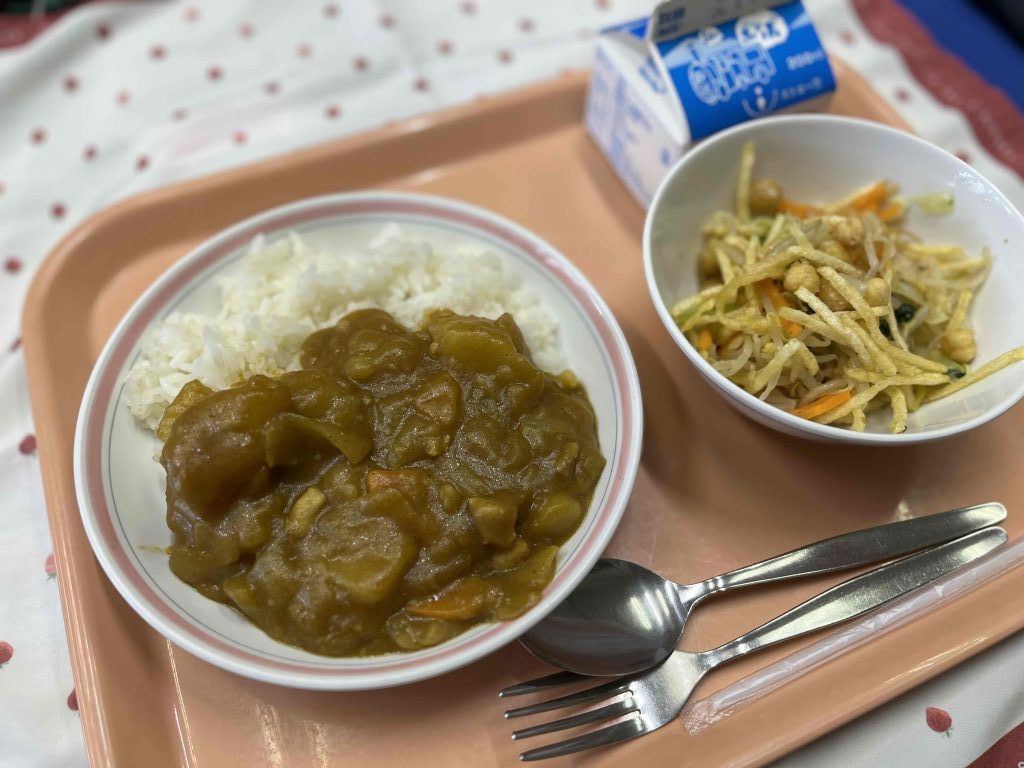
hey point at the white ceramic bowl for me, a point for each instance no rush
(820, 158)
(120, 487)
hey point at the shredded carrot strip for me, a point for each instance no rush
(800, 210)
(871, 198)
(771, 290)
(823, 404)
(891, 211)
(704, 340)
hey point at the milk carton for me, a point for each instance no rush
(694, 68)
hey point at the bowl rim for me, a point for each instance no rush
(393, 669)
(796, 425)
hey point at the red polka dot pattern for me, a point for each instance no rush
(27, 446)
(12, 265)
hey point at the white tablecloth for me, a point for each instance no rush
(119, 97)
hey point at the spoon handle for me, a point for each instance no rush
(870, 545)
(862, 593)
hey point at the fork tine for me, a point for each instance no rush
(619, 708)
(580, 697)
(613, 734)
(542, 683)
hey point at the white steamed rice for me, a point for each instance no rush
(282, 291)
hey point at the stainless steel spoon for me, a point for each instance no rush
(634, 705)
(624, 618)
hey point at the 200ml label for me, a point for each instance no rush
(748, 67)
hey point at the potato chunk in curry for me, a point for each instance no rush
(401, 487)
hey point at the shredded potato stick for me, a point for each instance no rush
(964, 265)
(940, 252)
(1005, 359)
(724, 265)
(860, 421)
(894, 326)
(807, 358)
(681, 307)
(871, 377)
(761, 378)
(857, 401)
(857, 301)
(963, 303)
(751, 325)
(915, 361)
(835, 324)
(881, 360)
(823, 259)
(777, 267)
(879, 312)
(707, 306)
(899, 410)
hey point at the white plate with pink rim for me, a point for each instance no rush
(121, 488)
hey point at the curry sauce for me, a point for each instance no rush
(398, 489)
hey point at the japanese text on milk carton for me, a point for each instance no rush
(694, 68)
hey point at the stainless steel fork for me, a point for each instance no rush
(651, 699)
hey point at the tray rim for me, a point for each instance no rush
(922, 664)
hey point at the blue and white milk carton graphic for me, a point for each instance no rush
(694, 68)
